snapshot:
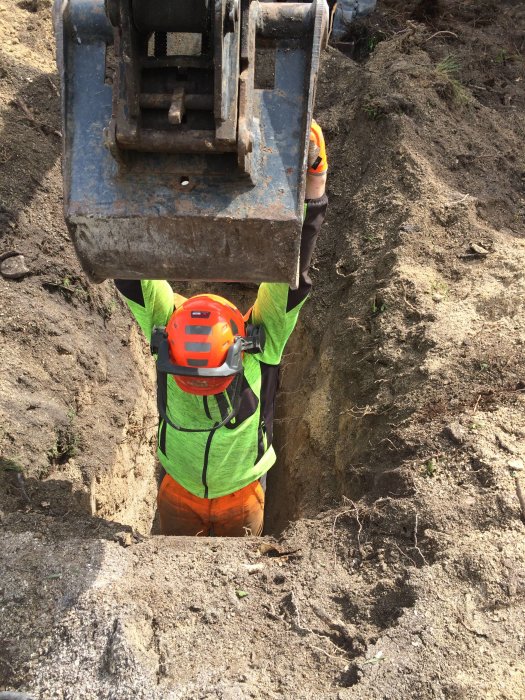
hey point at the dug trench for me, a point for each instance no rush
(393, 565)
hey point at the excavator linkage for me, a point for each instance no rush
(186, 128)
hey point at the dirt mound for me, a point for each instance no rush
(401, 570)
(72, 379)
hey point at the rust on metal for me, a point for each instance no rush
(162, 141)
(177, 106)
(294, 19)
(149, 100)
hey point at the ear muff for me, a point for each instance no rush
(256, 338)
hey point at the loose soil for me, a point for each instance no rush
(394, 565)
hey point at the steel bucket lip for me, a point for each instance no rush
(255, 252)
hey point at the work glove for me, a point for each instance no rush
(317, 162)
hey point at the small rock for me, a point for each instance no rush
(437, 297)
(516, 465)
(211, 617)
(344, 694)
(455, 432)
(401, 64)
(254, 568)
(478, 249)
(124, 538)
(505, 444)
(410, 228)
(14, 267)
(64, 349)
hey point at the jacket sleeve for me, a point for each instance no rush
(277, 306)
(150, 301)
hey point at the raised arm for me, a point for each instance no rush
(150, 301)
(277, 306)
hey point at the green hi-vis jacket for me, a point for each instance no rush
(219, 462)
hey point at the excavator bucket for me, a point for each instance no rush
(186, 128)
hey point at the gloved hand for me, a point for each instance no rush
(317, 163)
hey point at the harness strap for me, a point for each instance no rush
(162, 405)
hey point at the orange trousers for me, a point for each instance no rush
(236, 515)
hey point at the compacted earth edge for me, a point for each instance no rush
(394, 567)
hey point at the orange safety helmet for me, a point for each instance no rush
(200, 333)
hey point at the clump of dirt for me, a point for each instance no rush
(77, 415)
(423, 245)
(401, 570)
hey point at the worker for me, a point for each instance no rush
(217, 377)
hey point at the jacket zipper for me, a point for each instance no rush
(205, 465)
(208, 445)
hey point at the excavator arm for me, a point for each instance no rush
(186, 127)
